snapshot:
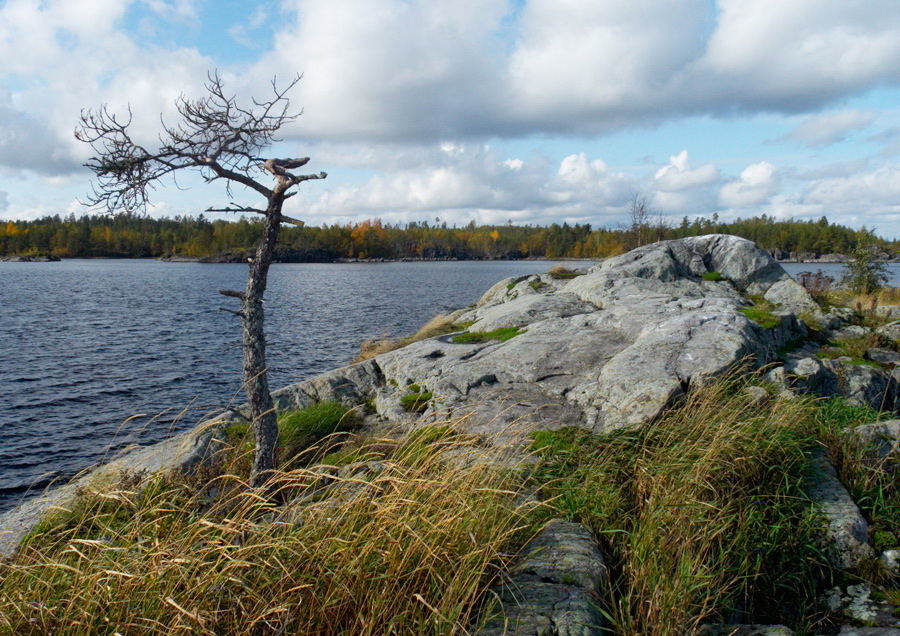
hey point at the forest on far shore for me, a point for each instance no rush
(135, 236)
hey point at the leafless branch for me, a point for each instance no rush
(214, 135)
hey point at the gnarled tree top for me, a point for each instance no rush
(214, 135)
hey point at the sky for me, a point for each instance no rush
(497, 111)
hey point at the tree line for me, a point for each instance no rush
(137, 236)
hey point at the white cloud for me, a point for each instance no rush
(479, 184)
(830, 128)
(796, 55)
(757, 184)
(874, 192)
(4, 200)
(679, 187)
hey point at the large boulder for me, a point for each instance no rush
(608, 349)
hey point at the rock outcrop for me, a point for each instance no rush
(609, 349)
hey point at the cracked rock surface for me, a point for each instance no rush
(553, 589)
(610, 349)
(846, 531)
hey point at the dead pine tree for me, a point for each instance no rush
(222, 140)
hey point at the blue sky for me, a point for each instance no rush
(534, 111)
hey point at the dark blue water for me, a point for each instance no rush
(86, 344)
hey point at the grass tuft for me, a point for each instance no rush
(437, 326)
(761, 313)
(702, 513)
(503, 334)
(409, 549)
(559, 272)
(713, 276)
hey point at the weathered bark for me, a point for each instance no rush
(262, 409)
(222, 140)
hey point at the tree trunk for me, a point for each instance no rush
(256, 381)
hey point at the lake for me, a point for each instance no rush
(85, 344)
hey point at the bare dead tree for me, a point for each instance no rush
(639, 214)
(221, 140)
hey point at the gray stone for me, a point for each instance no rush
(859, 384)
(890, 331)
(554, 587)
(883, 356)
(845, 538)
(891, 312)
(881, 439)
(855, 603)
(864, 385)
(850, 331)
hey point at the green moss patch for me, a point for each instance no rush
(713, 276)
(416, 402)
(503, 334)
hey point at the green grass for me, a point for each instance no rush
(701, 514)
(761, 313)
(298, 430)
(503, 334)
(856, 349)
(416, 402)
(536, 285)
(713, 276)
(515, 282)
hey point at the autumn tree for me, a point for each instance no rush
(221, 139)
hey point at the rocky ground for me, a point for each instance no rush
(612, 348)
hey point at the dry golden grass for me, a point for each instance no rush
(407, 549)
(437, 326)
(867, 302)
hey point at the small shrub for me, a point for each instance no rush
(503, 334)
(866, 271)
(820, 286)
(713, 276)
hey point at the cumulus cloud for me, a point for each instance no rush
(757, 184)
(794, 56)
(829, 128)
(680, 187)
(475, 182)
(878, 190)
